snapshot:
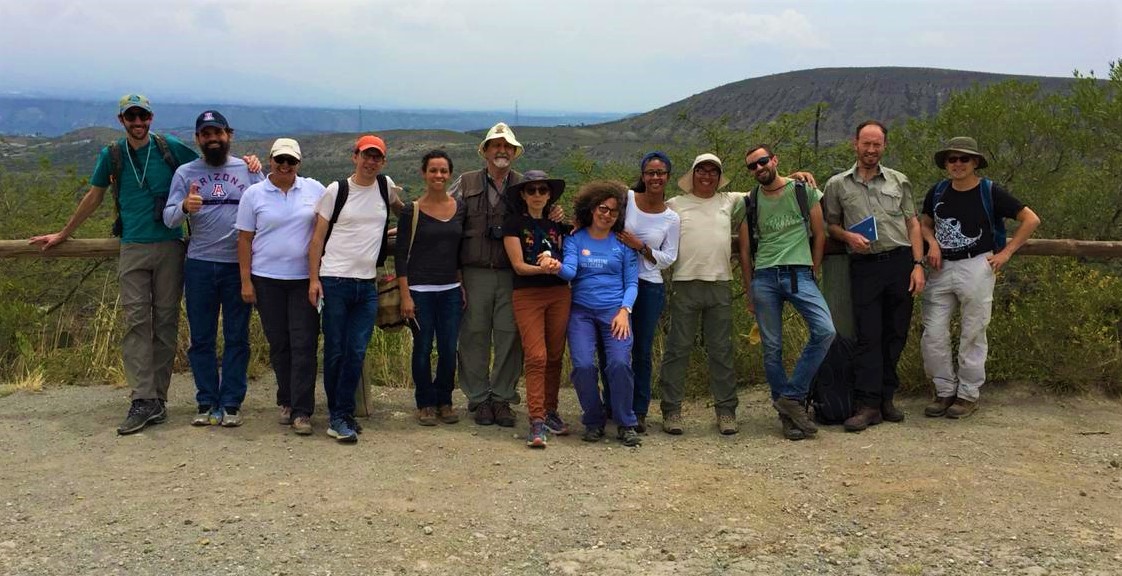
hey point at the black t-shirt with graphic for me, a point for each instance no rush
(536, 236)
(961, 226)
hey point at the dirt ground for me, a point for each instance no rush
(1030, 485)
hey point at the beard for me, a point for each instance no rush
(216, 155)
(501, 162)
(766, 178)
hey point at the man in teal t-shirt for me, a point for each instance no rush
(150, 267)
(785, 269)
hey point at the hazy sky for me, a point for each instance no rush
(575, 55)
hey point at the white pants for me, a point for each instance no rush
(967, 284)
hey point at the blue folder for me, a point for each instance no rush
(866, 228)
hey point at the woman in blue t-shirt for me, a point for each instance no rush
(604, 274)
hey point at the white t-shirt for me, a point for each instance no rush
(659, 232)
(705, 248)
(352, 249)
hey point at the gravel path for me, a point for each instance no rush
(1028, 486)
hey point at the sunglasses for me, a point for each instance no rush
(957, 159)
(537, 190)
(372, 154)
(759, 163)
(656, 173)
(606, 210)
(704, 171)
(131, 115)
(281, 160)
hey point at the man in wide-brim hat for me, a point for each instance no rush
(962, 223)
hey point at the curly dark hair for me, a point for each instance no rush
(595, 193)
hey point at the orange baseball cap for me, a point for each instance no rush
(370, 141)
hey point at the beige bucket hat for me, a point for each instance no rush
(685, 182)
(501, 130)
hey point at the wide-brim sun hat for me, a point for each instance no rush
(556, 186)
(963, 145)
(501, 130)
(685, 182)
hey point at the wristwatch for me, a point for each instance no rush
(919, 263)
(628, 308)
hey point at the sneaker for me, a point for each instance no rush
(163, 415)
(938, 407)
(341, 430)
(426, 416)
(790, 431)
(485, 413)
(961, 408)
(726, 423)
(536, 438)
(504, 416)
(202, 418)
(216, 415)
(795, 410)
(302, 425)
(593, 434)
(285, 416)
(141, 413)
(556, 425)
(672, 423)
(628, 436)
(231, 417)
(641, 426)
(447, 414)
(354, 424)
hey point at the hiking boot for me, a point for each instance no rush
(672, 423)
(504, 416)
(726, 423)
(353, 424)
(341, 430)
(285, 418)
(556, 425)
(866, 416)
(231, 417)
(163, 415)
(889, 412)
(938, 407)
(961, 408)
(796, 412)
(790, 431)
(426, 416)
(536, 438)
(302, 425)
(593, 434)
(485, 413)
(216, 415)
(447, 414)
(202, 418)
(641, 424)
(628, 436)
(141, 413)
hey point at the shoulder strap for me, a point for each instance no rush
(384, 192)
(804, 204)
(413, 234)
(340, 200)
(162, 145)
(115, 168)
(996, 224)
(940, 188)
(752, 217)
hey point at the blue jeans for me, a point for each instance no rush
(771, 287)
(438, 315)
(586, 326)
(350, 306)
(211, 287)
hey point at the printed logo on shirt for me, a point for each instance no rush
(218, 192)
(585, 252)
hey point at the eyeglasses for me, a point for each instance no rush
(957, 159)
(606, 210)
(656, 173)
(706, 171)
(537, 190)
(143, 115)
(758, 163)
(281, 160)
(373, 154)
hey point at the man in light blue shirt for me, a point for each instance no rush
(208, 190)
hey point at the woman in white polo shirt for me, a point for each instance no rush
(275, 222)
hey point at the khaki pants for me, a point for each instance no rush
(968, 285)
(712, 303)
(489, 318)
(151, 284)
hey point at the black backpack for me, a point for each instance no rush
(341, 199)
(831, 390)
(115, 167)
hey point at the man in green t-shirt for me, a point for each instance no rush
(150, 267)
(785, 268)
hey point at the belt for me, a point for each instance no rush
(964, 255)
(882, 256)
(791, 269)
